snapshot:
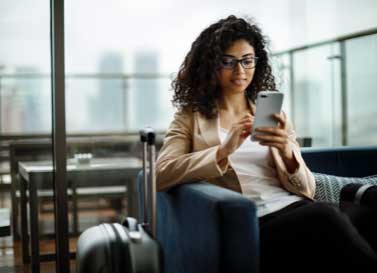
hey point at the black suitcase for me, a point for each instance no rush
(129, 247)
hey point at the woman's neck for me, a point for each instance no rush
(235, 103)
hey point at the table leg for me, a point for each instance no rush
(24, 222)
(34, 227)
(75, 218)
(15, 204)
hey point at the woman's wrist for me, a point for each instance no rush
(290, 161)
(222, 153)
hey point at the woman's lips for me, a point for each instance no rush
(239, 81)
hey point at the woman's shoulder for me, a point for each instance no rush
(183, 117)
(184, 112)
(190, 115)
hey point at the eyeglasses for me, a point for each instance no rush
(231, 63)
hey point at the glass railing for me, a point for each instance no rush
(95, 103)
(331, 89)
(329, 86)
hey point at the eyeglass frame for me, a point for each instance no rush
(236, 61)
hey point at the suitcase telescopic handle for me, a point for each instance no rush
(148, 137)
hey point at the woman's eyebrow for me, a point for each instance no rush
(243, 56)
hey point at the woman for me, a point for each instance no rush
(209, 140)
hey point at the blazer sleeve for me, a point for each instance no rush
(177, 163)
(301, 181)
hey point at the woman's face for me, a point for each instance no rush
(237, 67)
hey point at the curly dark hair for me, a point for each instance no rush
(196, 86)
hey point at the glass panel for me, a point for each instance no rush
(25, 103)
(25, 125)
(94, 104)
(98, 103)
(149, 103)
(316, 98)
(361, 63)
(113, 88)
(282, 71)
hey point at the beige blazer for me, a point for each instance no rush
(189, 155)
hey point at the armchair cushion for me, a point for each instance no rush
(329, 186)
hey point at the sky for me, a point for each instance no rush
(165, 27)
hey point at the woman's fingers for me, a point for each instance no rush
(243, 123)
(282, 118)
(273, 144)
(246, 130)
(247, 120)
(240, 130)
(247, 117)
(272, 131)
(271, 138)
(274, 136)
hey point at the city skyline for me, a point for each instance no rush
(129, 29)
(92, 105)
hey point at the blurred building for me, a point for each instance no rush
(107, 107)
(145, 95)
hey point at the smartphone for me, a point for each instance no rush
(267, 104)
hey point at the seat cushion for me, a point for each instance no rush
(329, 186)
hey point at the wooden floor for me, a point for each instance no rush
(10, 250)
(10, 256)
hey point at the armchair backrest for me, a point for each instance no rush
(342, 161)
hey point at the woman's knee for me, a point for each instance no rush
(327, 213)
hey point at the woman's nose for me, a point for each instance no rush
(239, 68)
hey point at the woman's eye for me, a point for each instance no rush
(248, 61)
(227, 62)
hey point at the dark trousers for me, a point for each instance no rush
(318, 237)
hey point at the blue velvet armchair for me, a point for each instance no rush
(203, 228)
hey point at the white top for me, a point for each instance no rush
(253, 165)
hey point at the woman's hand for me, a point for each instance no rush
(278, 137)
(236, 136)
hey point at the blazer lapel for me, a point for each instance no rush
(208, 129)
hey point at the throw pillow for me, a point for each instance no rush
(328, 187)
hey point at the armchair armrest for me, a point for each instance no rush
(203, 228)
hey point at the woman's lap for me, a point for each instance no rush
(364, 219)
(312, 236)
